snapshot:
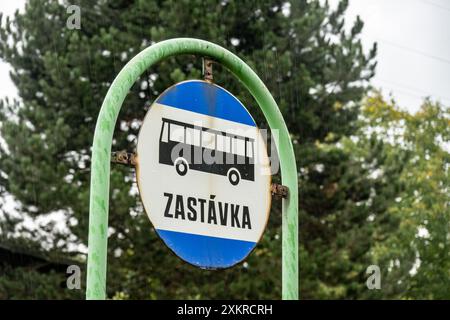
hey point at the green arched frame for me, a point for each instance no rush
(101, 156)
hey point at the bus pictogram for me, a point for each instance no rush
(207, 150)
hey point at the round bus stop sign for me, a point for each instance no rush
(204, 174)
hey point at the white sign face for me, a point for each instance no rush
(204, 174)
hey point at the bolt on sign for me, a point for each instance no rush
(204, 174)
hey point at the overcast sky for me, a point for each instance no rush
(414, 47)
(413, 40)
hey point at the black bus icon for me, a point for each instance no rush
(186, 146)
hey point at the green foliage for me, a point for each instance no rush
(414, 257)
(27, 283)
(315, 70)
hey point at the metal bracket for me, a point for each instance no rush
(279, 191)
(123, 157)
(208, 69)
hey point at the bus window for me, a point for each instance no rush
(221, 143)
(233, 145)
(239, 147)
(193, 136)
(197, 136)
(208, 140)
(227, 144)
(249, 149)
(165, 132)
(176, 133)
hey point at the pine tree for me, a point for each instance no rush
(316, 70)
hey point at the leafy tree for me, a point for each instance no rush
(413, 256)
(316, 70)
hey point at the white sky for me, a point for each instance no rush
(413, 47)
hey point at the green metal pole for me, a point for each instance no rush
(101, 156)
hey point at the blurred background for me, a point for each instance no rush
(364, 90)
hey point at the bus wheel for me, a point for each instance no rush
(181, 166)
(234, 177)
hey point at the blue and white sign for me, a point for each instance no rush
(204, 174)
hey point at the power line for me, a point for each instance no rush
(409, 93)
(412, 88)
(436, 5)
(413, 50)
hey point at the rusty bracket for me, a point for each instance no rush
(279, 191)
(207, 69)
(123, 157)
